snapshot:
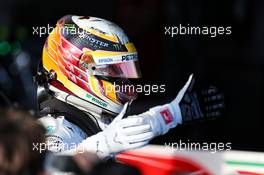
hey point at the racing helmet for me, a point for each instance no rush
(85, 58)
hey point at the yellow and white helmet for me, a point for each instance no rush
(87, 57)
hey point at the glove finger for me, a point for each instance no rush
(210, 91)
(214, 114)
(184, 89)
(121, 114)
(214, 98)
(216, 106)
(130, 122)
(140, 137)
(138, 144)
(137, 129)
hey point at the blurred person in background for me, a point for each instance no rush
(18, 131)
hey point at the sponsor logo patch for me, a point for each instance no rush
(106, 60)
(97, 101)
(167, 116)
(129, 57)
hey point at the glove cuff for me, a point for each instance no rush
(97, 144)
(164, 118)
(176, 112)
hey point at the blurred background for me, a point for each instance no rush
(234, 63)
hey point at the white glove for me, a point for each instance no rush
(190, 105)
(137, 130)
(163, 118)
(121, 135)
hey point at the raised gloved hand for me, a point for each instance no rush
(190, 105)
(199, 104)
(136, 131)
(121, 135)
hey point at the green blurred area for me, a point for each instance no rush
(11, 38)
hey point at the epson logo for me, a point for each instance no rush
(129, 57)
(105, 60)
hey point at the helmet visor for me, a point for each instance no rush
(117, 89)
(128, 69)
